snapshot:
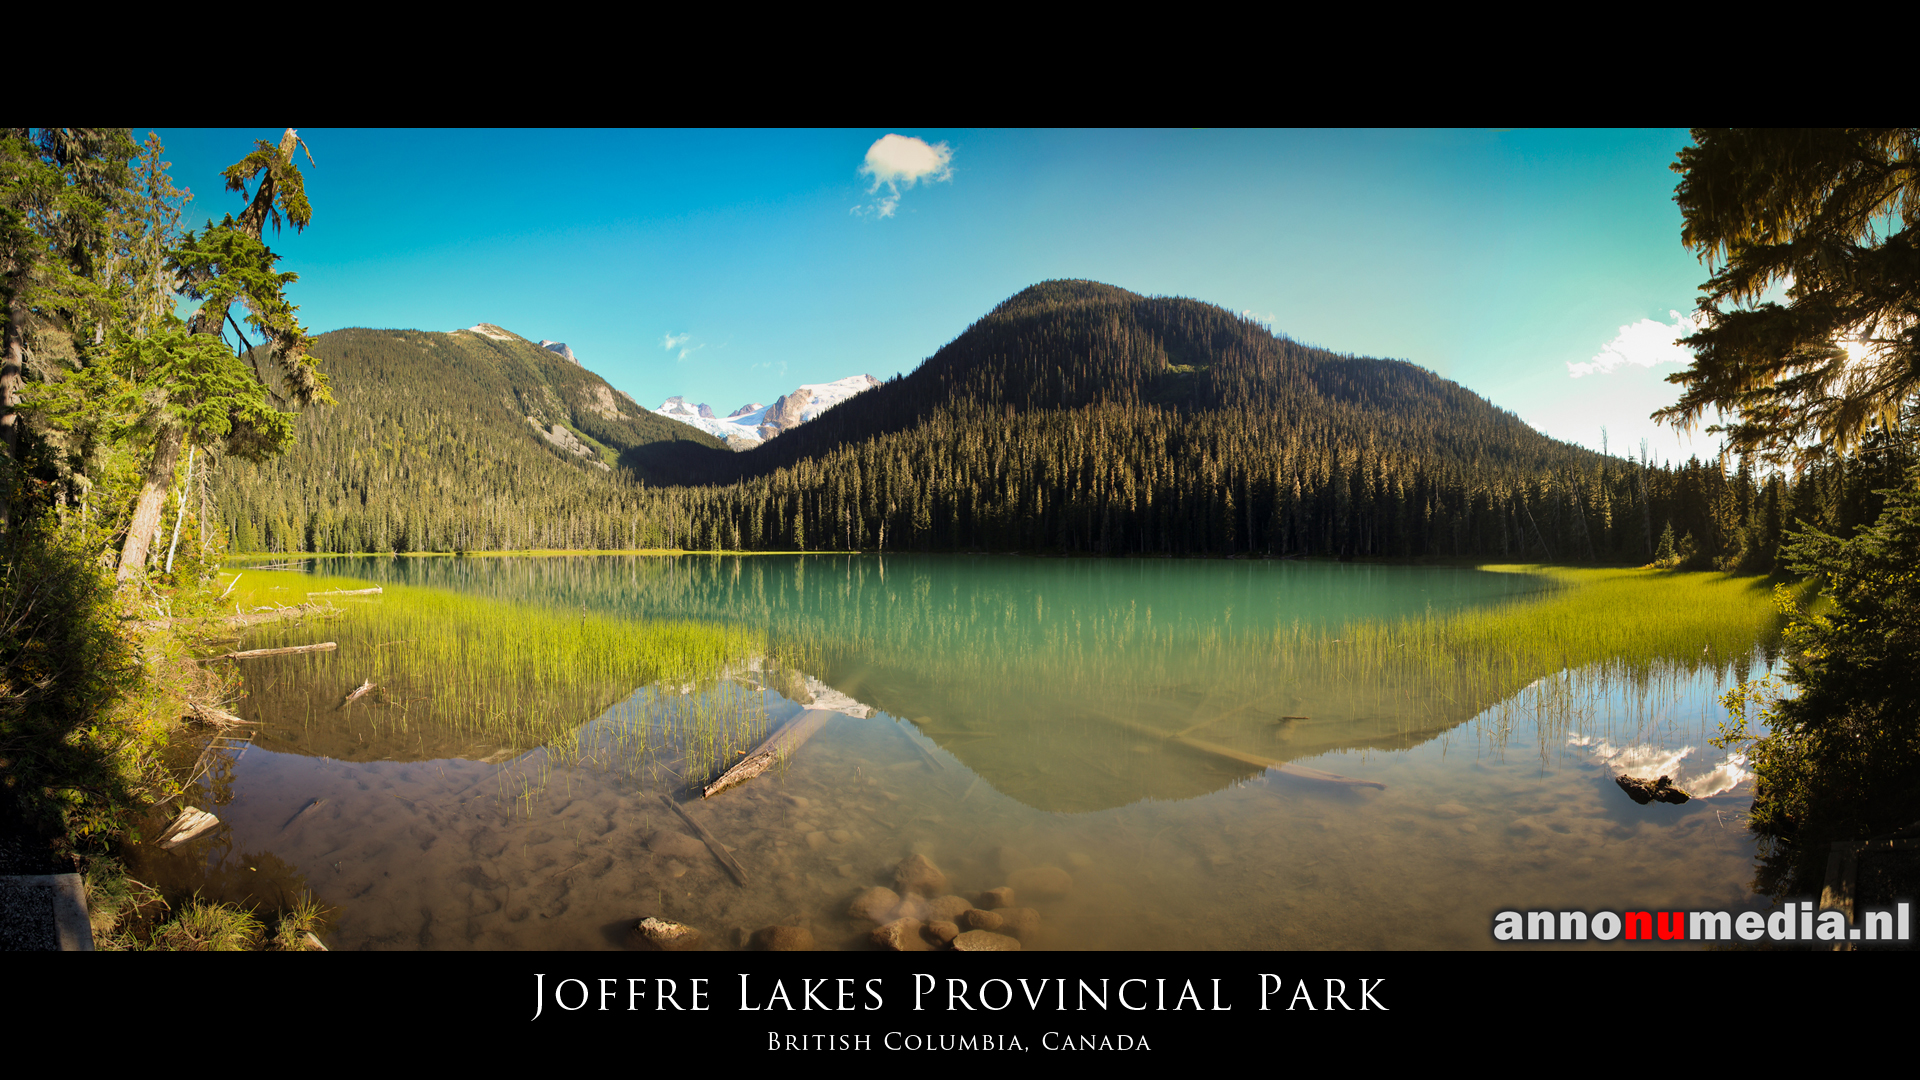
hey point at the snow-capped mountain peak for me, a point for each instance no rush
(750, 425)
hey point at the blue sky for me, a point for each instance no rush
(730, 267)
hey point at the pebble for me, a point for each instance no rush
(995, 898)
(943, 931)
(839, 836)
(816, 840)
(664, 935)
(798, 802)
(783, 939)
(1041, 881)
(900, 935)
(916, 873)
(874, 905)
(985, 941)
(912, 907)
(676, 869)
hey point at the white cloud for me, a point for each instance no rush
(670, 342)
(1645, 344)
(898, 162)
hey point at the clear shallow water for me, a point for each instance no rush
(1119, 721)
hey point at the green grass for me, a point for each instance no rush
(453, 672)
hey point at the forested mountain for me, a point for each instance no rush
(440, 441)
(1074, 417)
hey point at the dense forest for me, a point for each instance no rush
(1075, 418)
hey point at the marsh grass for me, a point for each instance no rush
(511, 683)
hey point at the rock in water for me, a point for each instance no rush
(783, 939)
(995, 898)
(1041, 881)
(917, 874)
(900, 935)
(874, 905)
(1021, 922)
(663, 935)
(948, 909)
(983, 920)
(985, 941)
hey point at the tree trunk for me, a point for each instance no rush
(153, 500)
(12, 370)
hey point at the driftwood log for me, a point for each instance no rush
(375, 591)
(779, 744)
(359, 692)
(713, 843)
(189, 824)
(250, 654)
(1647, 791)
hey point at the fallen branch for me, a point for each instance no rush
(251, 654)
(375, 591)
(362, 691)
(713, 843)
(778, 745)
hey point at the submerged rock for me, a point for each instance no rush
(995, 898)
(949, 908)
(783, 939)
(664, 935)
(900, 935)
(985, 941)
(917, 874)
(983, 920)
(874, 905)
(1041, 881)
(1021, 922)
(942, 931)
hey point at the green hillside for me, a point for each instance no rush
(444, 441)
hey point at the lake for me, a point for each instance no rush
(1154, 754)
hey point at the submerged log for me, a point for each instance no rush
(361, 691)
(312, 805)
(250, 654)
(713, 843)
(778, 745)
